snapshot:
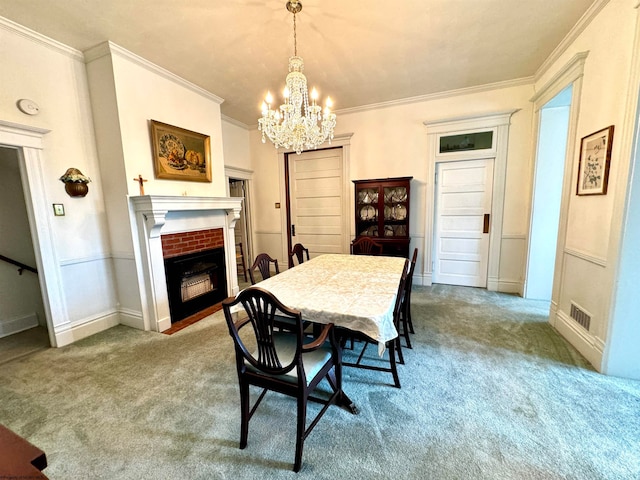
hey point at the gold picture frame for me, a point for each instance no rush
(593, 167)
(180, 154)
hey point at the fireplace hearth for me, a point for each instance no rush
(195, 281)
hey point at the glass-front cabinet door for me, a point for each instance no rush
(382, 212)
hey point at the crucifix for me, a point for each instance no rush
(141, 181)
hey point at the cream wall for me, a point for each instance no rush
(588, 261)
(53, 76)
(391, 141)
(130, 92)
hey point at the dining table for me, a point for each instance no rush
(356, 292)
(353, 292)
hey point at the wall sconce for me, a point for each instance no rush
(75, 183)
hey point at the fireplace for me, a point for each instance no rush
(163, 224)
(194, 282)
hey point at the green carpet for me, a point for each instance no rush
(489, 391)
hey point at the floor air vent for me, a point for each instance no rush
(580, 316)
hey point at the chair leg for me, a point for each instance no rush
(392, 359)
(399, 349)
(409, 319)
(406, 330)
(302, 421)
(244, 414)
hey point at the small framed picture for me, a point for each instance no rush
(593, 167)
(180, 154)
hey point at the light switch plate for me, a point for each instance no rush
(58, 209)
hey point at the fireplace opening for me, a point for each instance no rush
(195, 282)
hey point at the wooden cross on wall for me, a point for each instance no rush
(141, 181)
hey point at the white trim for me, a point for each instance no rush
(585, 256)
(513, 236)
(131, 318)
(149, 217)
(568, 74)
(510, 286)
(109, 48)
(501, 121)
(585, 343)
(29, 144)
(36, 37)
(439, 95)
(90, 326)
(239, 173)
(571, 37)
(92, 258)
(235, 122)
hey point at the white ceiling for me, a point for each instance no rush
(360, 52)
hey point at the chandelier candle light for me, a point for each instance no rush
(298, 125)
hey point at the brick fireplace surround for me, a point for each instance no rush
(159, 221)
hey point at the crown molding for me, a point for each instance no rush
(571, 37)
(110, 48)
(440, 95)
(235, 122)
(36, 37)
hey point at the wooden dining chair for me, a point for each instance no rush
(405, 314)
(393, 346)
(262, 263)
(365, 246)
(298, 251)
(286, 362)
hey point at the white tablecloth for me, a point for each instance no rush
(357, 292)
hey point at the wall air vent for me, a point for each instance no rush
(580, 316)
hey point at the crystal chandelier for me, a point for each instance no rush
(297, 125)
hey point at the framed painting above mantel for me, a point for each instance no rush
(180, 154)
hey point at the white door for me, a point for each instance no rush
(316, 201)
(463, 207)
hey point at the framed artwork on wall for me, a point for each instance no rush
(593, 167)
(180, 154)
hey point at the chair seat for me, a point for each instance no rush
(286, 346)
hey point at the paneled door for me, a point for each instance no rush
(316, 196)
(463, 207)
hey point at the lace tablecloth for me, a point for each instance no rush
(357, 292)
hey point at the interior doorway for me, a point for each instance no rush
(23, 324)
(547, 195)
(238, 188)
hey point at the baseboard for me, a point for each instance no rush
(510, 286)
(589, 346)
(18, 324)
(164, 324)
(131, 318)
(424, 279)
(77, 331)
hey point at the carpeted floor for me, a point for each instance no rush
(489, 391)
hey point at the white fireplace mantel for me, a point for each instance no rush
(161, 214)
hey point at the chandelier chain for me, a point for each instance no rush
(295, 38)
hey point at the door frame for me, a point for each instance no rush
(28, 142)
(235, 173)
(342, 141)
(571, 74)
(499, 123)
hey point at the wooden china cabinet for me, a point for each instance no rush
(382, 213)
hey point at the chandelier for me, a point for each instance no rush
(297, 125)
